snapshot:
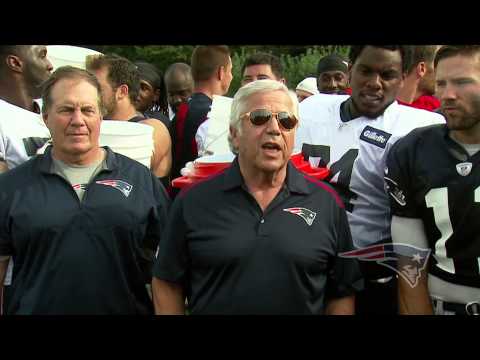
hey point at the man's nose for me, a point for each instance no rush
(446, 92)
(49, 66)
(77, 118)
(332, 84)
(273, 126)
(374, 82)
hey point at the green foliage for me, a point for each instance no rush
(298, 62)
(160, 55)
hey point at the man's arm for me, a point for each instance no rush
(3, 166)
(413, 300)
(341, 306)
(162, 153)
(3, 272)
(167, 298)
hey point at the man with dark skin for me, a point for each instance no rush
(352, 137)
(23, 68)
(332, 75)
(179, 84)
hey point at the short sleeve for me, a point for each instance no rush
(398, 180)
(171, 257)
(345, 277)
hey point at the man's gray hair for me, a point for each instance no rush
(241, 98)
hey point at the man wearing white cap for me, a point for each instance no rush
(306, 88)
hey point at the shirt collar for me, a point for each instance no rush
(295, 180)
(46, 160)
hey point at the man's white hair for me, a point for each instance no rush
(241, 98)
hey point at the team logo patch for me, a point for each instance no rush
(464, 168)
(413, 259)
(120, 185)
(305, 214)
(80, 187)
(375, 136)
(395, 192)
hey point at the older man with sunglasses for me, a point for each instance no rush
(261, 237)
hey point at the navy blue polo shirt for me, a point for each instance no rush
(88, 257)
(233, 258)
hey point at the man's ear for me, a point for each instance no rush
(421, 69)
(234, 133)
(220, 72)
(121, 92)
(14, 63)
(349, 73)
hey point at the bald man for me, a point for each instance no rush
(179, 84)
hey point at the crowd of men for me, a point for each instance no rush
(391, 229)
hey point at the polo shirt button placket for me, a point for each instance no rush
(262, 228)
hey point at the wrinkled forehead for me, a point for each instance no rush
(275, 100)
(74, 90)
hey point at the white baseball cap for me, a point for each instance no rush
(309, 85)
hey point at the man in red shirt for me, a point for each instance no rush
(419, 84)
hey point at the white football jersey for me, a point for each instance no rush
(356, 151)
(22, 133)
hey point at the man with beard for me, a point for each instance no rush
(352, 136)
(419, 85)
(179, 85)
(120, 82)
(433, 178)
(23, 68)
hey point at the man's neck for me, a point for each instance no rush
(17, 95)
(471, 136)
(408, 93)
(208, 88)
(260, 180)
(264, 187)
(93, 156)
(124, 113)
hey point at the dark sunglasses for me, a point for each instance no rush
(261, 117)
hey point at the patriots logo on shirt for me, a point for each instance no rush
(305, 214)
(464, 168)
(124, 187)
(413, 259)
(79, 187)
